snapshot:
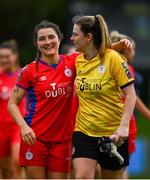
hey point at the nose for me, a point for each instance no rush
(47, 41)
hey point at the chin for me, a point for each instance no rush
(50, 53)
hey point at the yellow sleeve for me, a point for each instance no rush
(120, 71)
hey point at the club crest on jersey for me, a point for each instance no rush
(101, 69)
(29, 155)
(68, 72)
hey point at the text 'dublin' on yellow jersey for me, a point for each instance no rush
(98, 85)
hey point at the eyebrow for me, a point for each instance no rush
(47, 35)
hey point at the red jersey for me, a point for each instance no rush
(131, 70)
(50, 89)
(7, 81)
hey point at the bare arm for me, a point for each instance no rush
(122, 131)
(129, 104)
(26, 132)
(121, 45)
(141, 107)
(15, 98)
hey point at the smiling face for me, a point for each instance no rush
(79, 40)
(48, 41)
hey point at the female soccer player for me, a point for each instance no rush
(129, 55)
(140, 106)
(9, 131)
(102, 75)
(47, 129)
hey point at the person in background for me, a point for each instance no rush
(67, 48)
(9, 131)
(139, 106)
(102, 76)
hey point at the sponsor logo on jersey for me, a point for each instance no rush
(59, 89)
(43, 78)
(127, 71)
(29, 155)
(68, 72)
(88, 85)
(101, 69)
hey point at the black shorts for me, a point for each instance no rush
(87, 146)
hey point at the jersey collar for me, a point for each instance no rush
(51, 65)
(12, 73)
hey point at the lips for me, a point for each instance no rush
(49, 47)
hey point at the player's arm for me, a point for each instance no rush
(122, 131)
(129, 104)
(15, 98)
(121, 45)
(121, 73)
(141, 107)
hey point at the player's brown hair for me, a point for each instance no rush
(97, 26)
(116, 36)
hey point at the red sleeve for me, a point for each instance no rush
(24, 78)
(131, 70)
(74, 55)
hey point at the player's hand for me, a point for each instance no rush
(120, 135)
(27, 134)
(125, 43)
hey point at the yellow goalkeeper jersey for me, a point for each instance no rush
(98, 84)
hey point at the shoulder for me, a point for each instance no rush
(114, 56)
(70, 56)
(27, 71)
(113, 53)
(29, 67)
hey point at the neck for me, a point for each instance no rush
(90, 53)
(51, 59)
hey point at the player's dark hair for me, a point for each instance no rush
(97, 27)
(116, 36)
(44, 24)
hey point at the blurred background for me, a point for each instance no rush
(132, 17)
